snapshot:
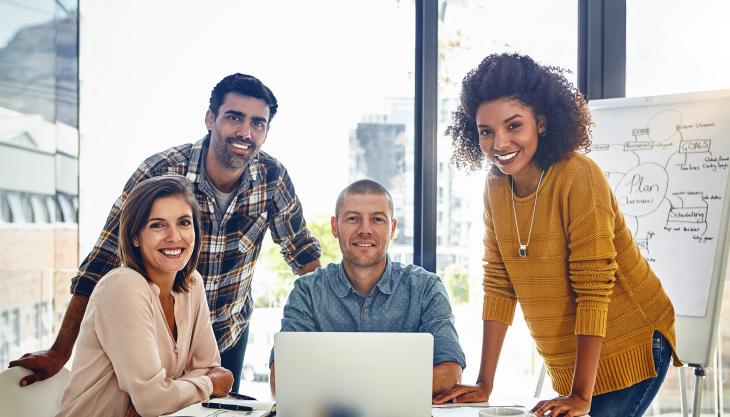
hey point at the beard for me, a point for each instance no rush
(359, 261)
(228, 158)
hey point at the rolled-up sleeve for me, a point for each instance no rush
(288, 227)
(438, 319)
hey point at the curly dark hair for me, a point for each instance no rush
(542, 88)
(244, 84)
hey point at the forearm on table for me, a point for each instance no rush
(445, 376)
(588, 353)
(492, 340)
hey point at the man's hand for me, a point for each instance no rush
(309, 267)
(222, 380)
(44, 364)
(464, 394)
(47, 363)
(570, 406)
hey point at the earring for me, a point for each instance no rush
(135, 243)
(543, 133)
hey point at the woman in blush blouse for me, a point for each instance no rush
(146, 346)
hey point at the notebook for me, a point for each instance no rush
(353, 374)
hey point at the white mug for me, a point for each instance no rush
(503, 411)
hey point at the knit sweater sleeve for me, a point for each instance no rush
(592, 260)
(499, 295)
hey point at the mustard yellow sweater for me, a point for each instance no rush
(583, 275)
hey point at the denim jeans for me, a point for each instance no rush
(634, 400)
(232, 359)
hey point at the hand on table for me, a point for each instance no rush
(222, 380)
(463, 394)
(570, 406)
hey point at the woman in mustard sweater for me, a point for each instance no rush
(556, 242)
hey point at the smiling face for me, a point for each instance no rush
(239, 129)
(508, 136)
(167, 239)
(364, 226)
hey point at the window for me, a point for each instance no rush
(38, 109)
(344, 85)
(9, 333)
(676, 46)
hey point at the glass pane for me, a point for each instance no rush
(469, 30)
(675, 46)
(38, 119)
(345, 92)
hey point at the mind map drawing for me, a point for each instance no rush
(668, 167)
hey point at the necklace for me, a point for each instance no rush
(523, 247)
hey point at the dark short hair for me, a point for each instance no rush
(135, 213)
(243, 84)
(363, 187)
(542, 88)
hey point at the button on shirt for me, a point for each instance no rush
(407, 298)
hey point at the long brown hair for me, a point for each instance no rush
(135, 213)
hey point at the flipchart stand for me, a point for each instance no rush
(699, 373)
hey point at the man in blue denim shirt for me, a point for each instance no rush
(368, 292)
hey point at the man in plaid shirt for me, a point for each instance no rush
(242, 192)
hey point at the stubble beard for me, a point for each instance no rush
(225, 157)
(369, 263)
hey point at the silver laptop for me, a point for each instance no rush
(353, 374)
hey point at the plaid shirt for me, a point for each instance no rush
(264, 199)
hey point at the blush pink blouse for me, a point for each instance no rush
(126, 355)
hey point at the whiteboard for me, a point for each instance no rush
(667, 159)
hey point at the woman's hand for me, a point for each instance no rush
(222, 380)
(464, 394)
(570, 406)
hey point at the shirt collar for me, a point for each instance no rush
(196, 169)
(343, 286)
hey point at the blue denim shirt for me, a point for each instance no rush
(407, 298)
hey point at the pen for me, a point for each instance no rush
(225, 406)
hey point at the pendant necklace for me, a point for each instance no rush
(523, 247)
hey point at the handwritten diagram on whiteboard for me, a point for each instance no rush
(668, 166)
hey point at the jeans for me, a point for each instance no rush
(634, 400)
(232, 359)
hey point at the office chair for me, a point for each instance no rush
(37, 400)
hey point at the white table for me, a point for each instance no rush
(197, 410)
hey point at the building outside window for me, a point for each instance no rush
(38, 170)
